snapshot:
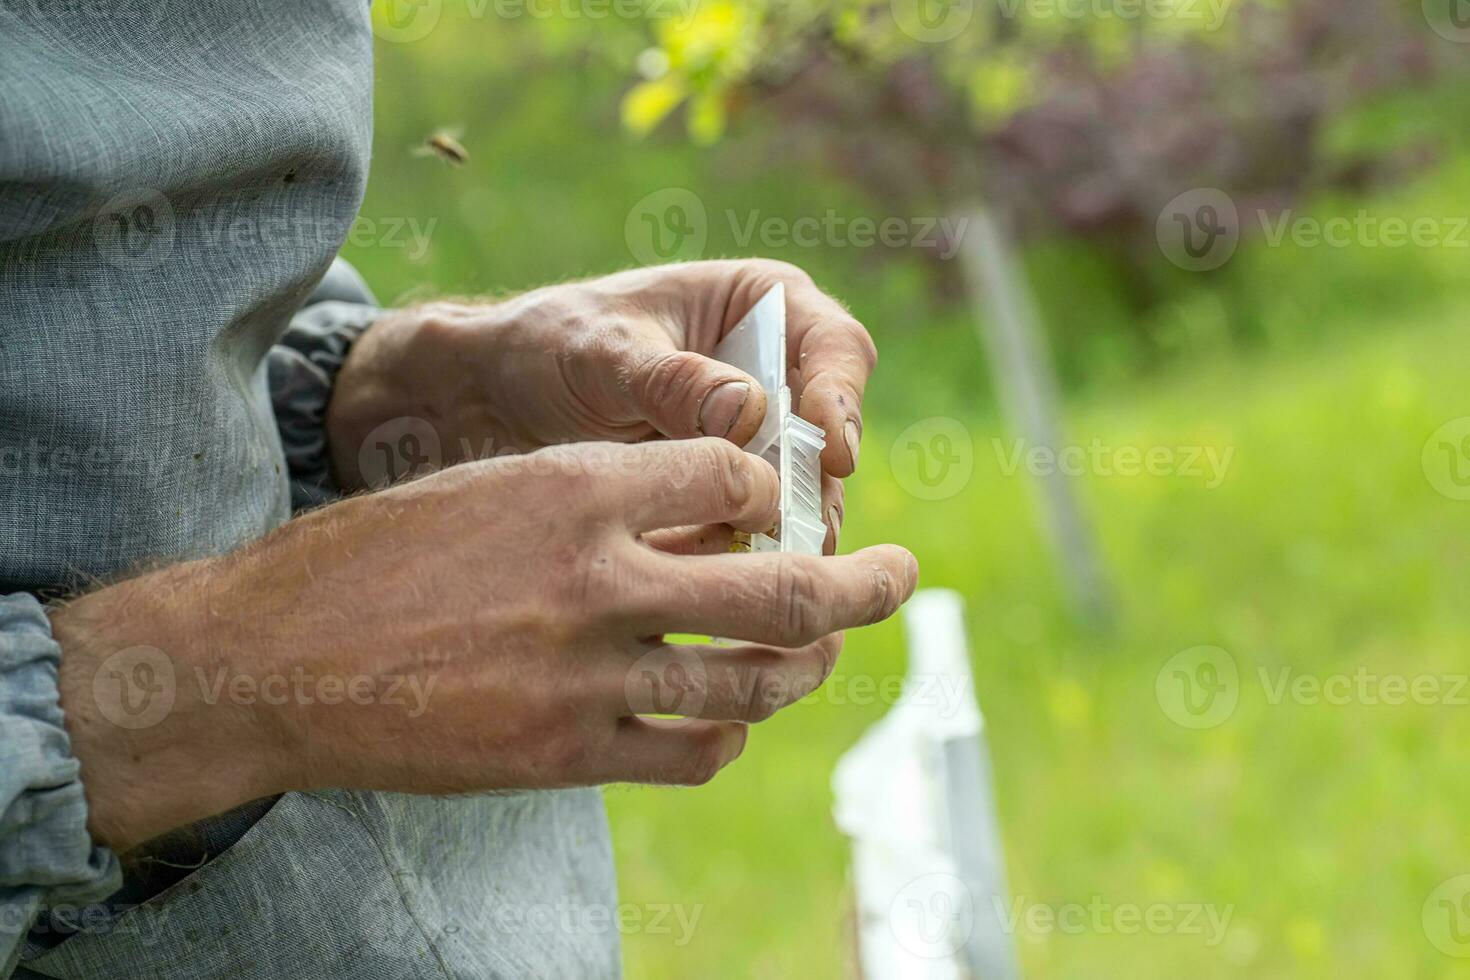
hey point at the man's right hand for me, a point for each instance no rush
(523, 601)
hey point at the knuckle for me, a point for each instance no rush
(670, 377)
(811, 669)
(597, 585)
(547, 740)
(884, 596)
(704, 761)
(565, 312)
(588, 469)
(546, 624)
(867, 349)
(440, 318)
(611, 338)
(563, 751)
(551, 469)
(780, 269)
(761, 697)
(451, 481)
(726, 473)
(827, 650)
(798, 603)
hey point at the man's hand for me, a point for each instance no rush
(621, 358)
(522, 600)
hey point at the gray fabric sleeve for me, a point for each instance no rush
(303, 365)
(46, 855)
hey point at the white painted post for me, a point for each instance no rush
(1015, 345)
(914, 796)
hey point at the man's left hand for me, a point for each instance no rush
(624, 357)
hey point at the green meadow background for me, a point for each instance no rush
(1326, 549)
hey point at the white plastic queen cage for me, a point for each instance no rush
(757, 345)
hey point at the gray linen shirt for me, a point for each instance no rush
(175, 179)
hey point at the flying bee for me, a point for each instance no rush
(445, 145)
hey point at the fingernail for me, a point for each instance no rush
(850, 436)
(834, 518)
(722, 407)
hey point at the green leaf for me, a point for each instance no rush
(648, 103)
(707, 117)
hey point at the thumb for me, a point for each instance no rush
(683, 394)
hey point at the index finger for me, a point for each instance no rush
(680, 482)
(785, 599)
(834, 354)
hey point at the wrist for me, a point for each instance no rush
(159, 743)
(408, 366)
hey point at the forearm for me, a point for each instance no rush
(134, 684)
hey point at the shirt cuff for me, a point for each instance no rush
(302, 367)
(46, 855)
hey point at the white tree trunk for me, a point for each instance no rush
(1015, 345)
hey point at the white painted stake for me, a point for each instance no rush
(1020, 364)
(914, 796)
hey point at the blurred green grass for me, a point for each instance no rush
(1325, 549)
